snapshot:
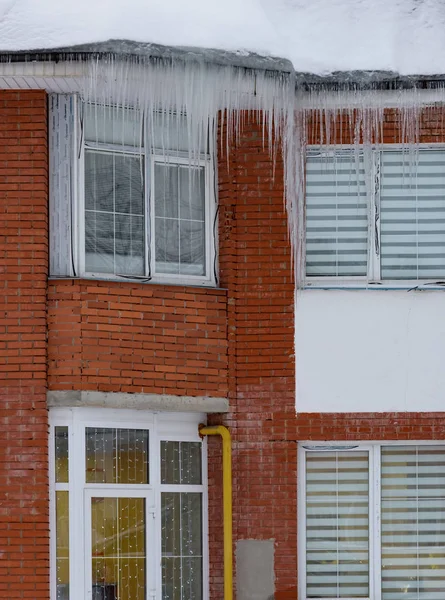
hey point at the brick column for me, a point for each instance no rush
(24, 494)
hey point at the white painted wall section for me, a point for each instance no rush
(370, 351)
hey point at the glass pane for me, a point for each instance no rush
(192, 193)
(167, 248)
(336, 216)
(129, 184)
(99, 242)
(166, 190)
(181, 546)
(172, 132)
(181, 462)
(117, 455)
(412, 220)
(113, 125)
(192, 248)
(99, 181)
(114, 213)
(180, 219)
(62, 546)
(129, 244)
(118, 548)
(337, 524)
(61, 447)
(413, 522)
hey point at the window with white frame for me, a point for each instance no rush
(375, 214)
(131, 194)
(372, 521)
(128, 502)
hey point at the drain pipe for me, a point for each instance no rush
(227, 502)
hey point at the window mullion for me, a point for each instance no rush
(376, 524)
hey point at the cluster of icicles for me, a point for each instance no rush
(202, 93)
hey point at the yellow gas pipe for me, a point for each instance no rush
(227, 502)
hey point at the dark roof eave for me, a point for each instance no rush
(339, 80)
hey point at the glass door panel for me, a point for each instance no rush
(117, 547)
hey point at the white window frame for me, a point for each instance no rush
(374, 450)
(372, 280)
(178, 427)
(205, 160)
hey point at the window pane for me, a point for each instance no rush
(62, 546)
(413, 215)
(336, 216)
(337, 524)
(116, 455)
(118, 548)
(114, 213)
(179, 219)
(172, 132)
(61, 452)
(113, 125)
(181, 463)
(181, 546)
(413, 522)
(166, 190)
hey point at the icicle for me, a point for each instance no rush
(182, 100)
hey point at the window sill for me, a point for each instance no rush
(211, 285)
(403, 286)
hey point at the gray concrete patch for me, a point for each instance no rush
(255, 569)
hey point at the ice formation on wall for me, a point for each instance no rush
(290, 112)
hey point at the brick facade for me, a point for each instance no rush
(24, 494)
(236, 341)
(130, 337)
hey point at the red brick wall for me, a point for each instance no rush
(24, 510)
(130, 337)
(255, 267)
(163, 339)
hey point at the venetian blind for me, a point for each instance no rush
(337, 524)
(413, 522)
(412, 196)
(336, 216)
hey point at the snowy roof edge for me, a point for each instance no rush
(242, 59)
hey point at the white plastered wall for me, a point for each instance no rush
(370, 351)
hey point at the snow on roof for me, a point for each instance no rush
(316, 36)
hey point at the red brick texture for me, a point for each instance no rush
(24, 496)
(130, 337)
(237, 341)
(255, 266)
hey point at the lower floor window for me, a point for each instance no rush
(128, 502)
(372, 521)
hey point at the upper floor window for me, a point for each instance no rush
(377, 215)
(141, 204)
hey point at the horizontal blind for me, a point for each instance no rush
(413, 522)
(336, 216)
(412, 199)
(337, 524)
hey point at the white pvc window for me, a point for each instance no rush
(148, 211)
(131, 195)
(372, 522)
(128, 502)
(377, 215)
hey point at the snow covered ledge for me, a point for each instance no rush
(151, 402)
